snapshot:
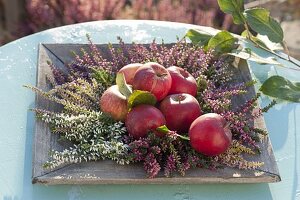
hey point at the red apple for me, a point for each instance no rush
(142, 119)
(180, 110)
(114, 103)
(210, 134)
(182, 81)
(129, 71)
(154, 78)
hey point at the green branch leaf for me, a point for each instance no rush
(233, 7)
(198, 37)
(259, 20)
(139, 97)
(124, 88)
(281, 88)
(255, 39)
(222, 42)
(271, 45)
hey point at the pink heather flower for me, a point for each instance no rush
(170, 165)
(151, 165)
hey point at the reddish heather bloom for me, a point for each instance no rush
(151, 165)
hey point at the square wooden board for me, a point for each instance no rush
(108, 172)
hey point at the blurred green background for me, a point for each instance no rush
(19, 18)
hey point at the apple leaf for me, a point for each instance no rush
(165, 130)
(260, 21)
(281, 88)
(222, 42)
(198, 37)
(139, 97)
(233, 7)
(124, 88)
(247, 54)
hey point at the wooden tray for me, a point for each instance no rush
(107, 172)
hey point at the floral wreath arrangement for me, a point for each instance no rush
(169, 107)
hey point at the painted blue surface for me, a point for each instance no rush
(18, 62)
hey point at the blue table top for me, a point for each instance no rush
(18, 61)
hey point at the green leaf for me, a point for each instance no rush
(247, 54)
(281, 88)
(245, 34)
(253, 38)
(233, 7)
(124, 88)
(141, 97)
(271, 45)
(163, 129)
(222, 42)
(259, 20)
(197, 37)
(102, 76)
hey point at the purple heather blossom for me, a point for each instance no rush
(59, 76)
(170, 165)
(151, 165)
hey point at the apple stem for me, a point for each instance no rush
(180, 98)
(162, 75)
(164, 129)
(179, 136)
(183, 137)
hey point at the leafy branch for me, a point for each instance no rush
(259, 21)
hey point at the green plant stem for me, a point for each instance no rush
(278, 55)
(248, 31)
(183, 137)
(287, 50)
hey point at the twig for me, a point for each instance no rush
(258, 3)
(287, 50)
(272, 52)
(248, 31)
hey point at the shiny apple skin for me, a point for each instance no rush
(182, 81)
(180, 110)
(210, 135)
(154, 78)
(129, 71)
(113, 103)
(142, 119)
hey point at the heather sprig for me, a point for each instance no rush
(76, 97)
(94, 137)
(168, 154)
(233, 157)
(91, 150)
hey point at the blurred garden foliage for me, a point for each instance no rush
(30, 16)
(43, 14)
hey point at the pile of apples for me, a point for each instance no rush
(177, 108)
